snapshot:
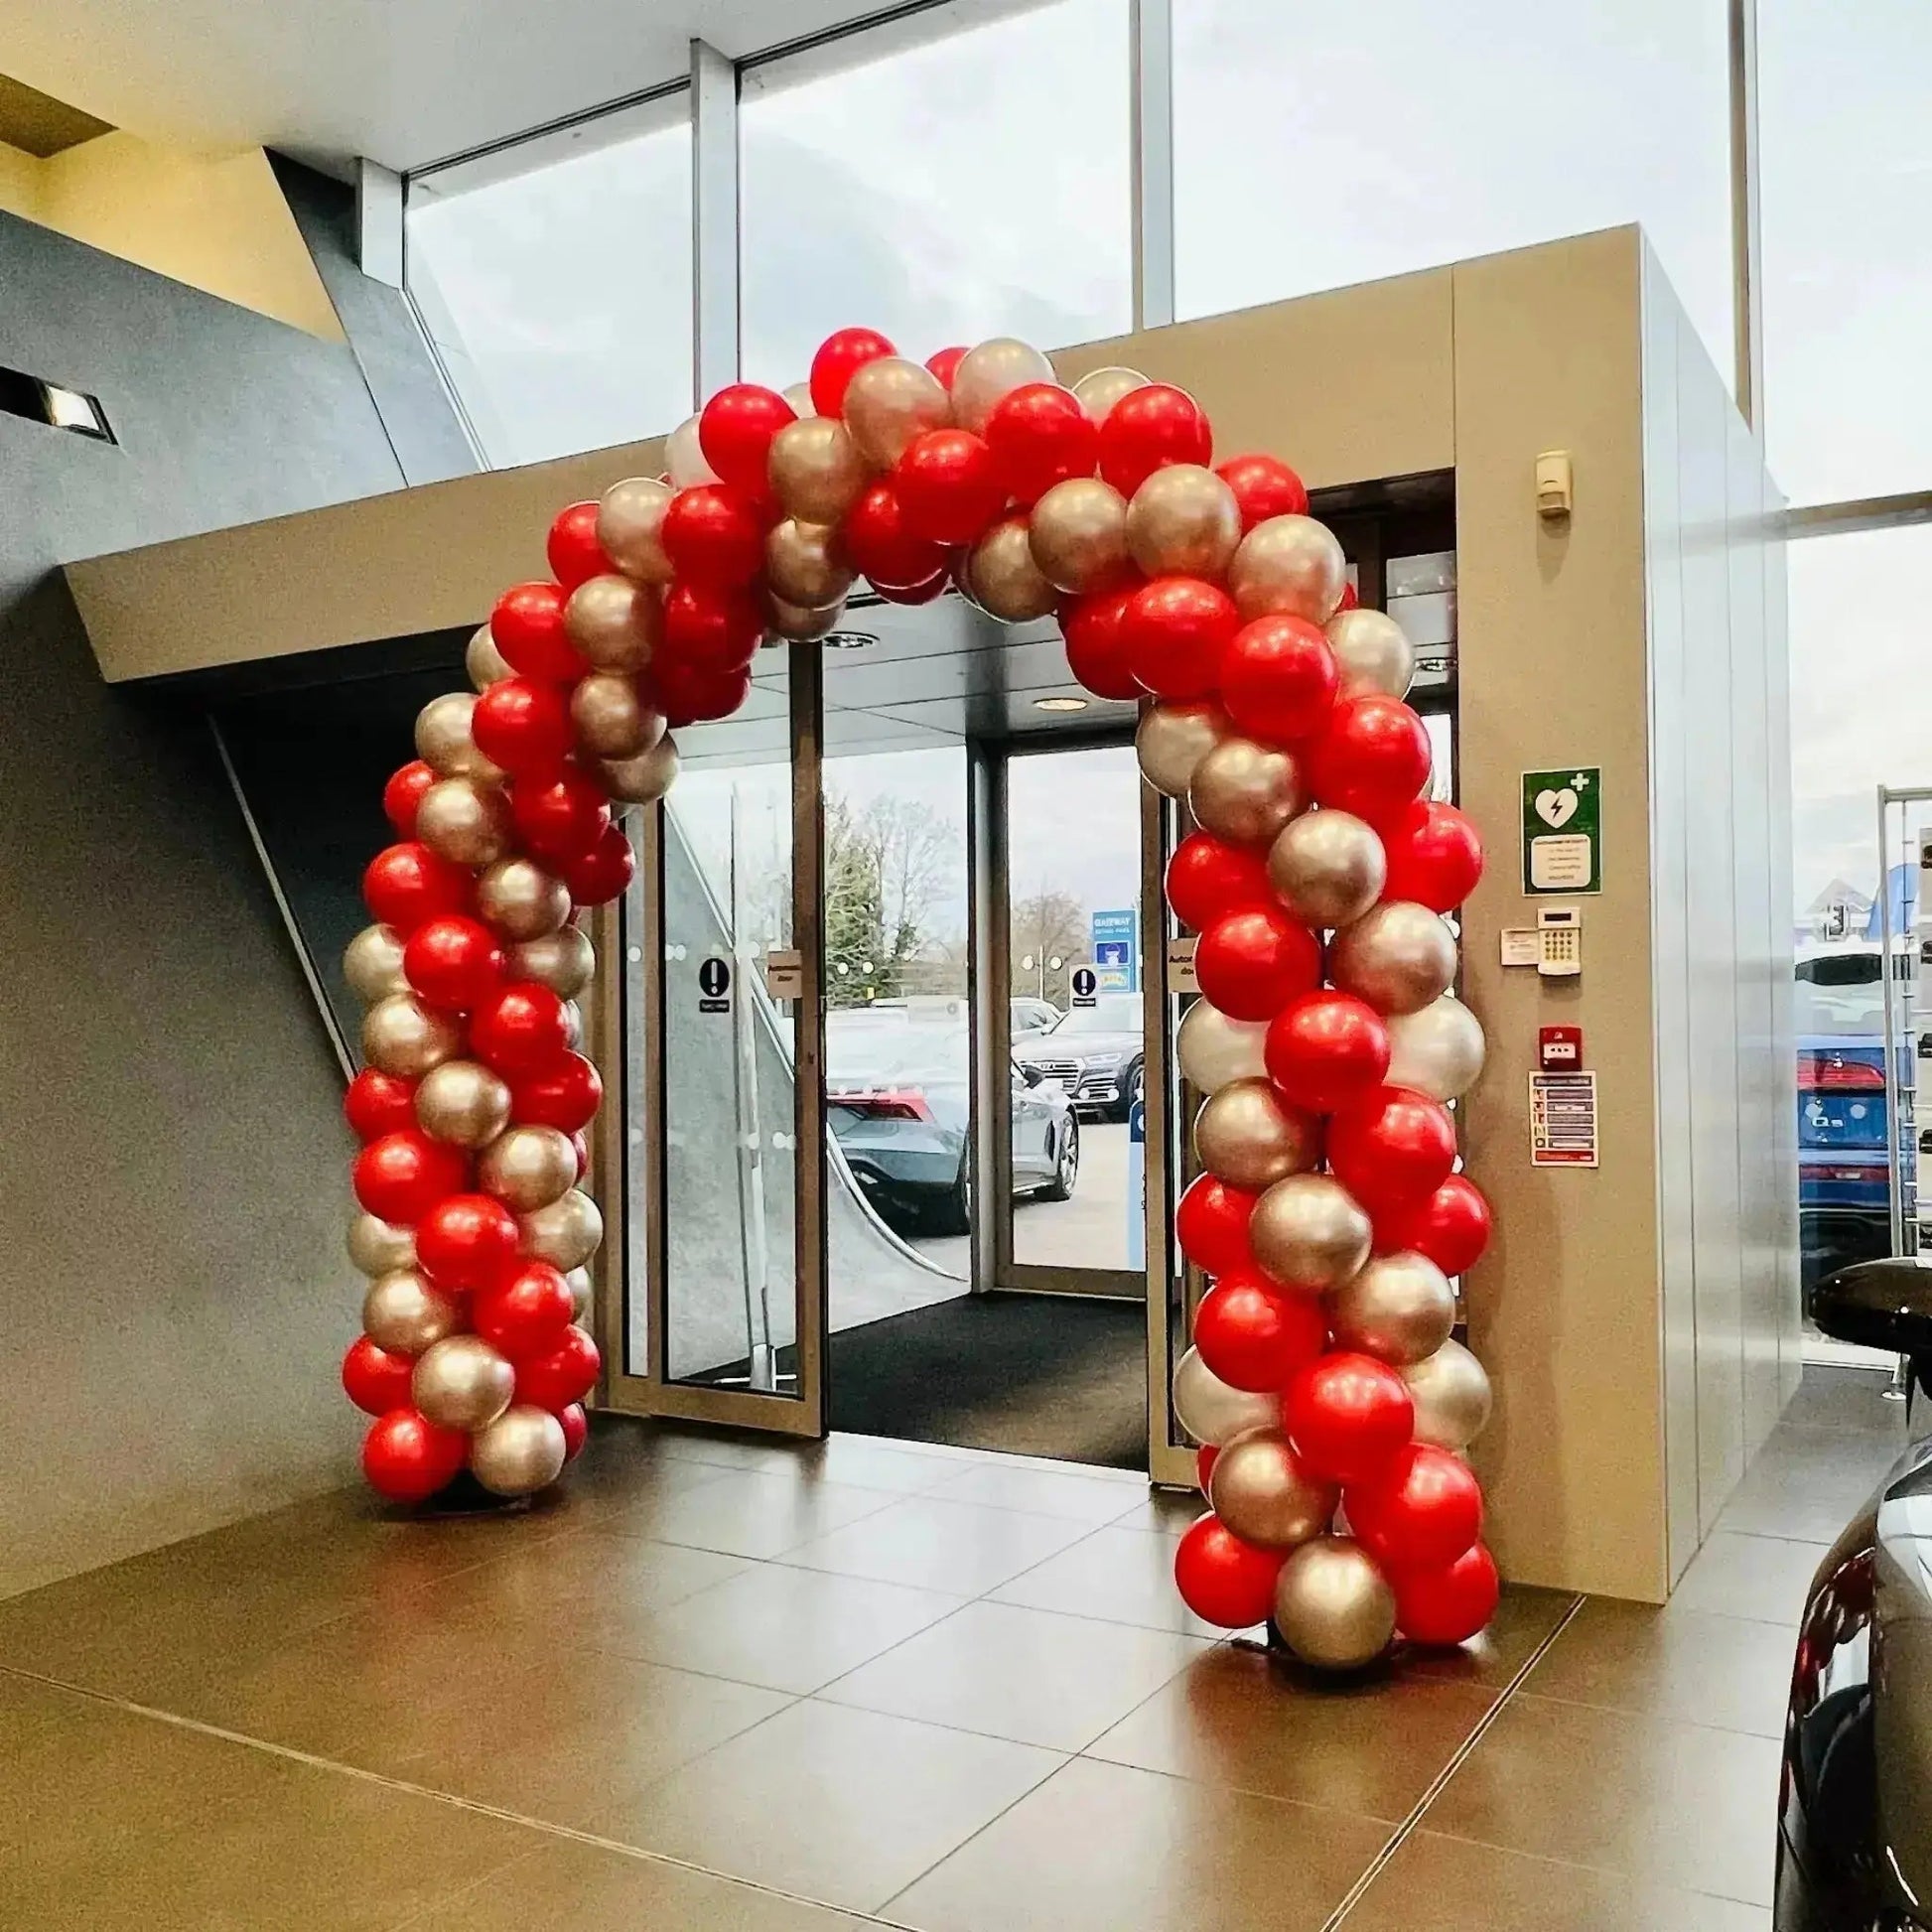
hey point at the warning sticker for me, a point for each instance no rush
(1563, 1120)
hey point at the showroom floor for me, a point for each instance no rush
(743, 1688)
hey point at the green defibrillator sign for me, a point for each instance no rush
(1562, 830)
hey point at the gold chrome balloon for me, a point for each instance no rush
(1214, 1411)
(888, 404)
(1245, 792)
(803, 565)
(1004, 581)
(379, 1247)
(1329, 867)
(1400, 1308)
(630, 525)
(1438, 1051)
(1099, 389)
(614, 623)
(1215, 1050)
(1308, 1233)
(1451, 1395)
(464, 1103)
(1289, 564)
(520, 1452)
(1183, 520)
(1172, 739)
(1373, 652)
(485, 664)
(1399, 956)
(461, 1382)
(1078, 536)
(636, 781)
(403, 1314)
(404, 1037)
(372, 964)
(1333, 1604)
(466, 821)
(564, 961)
(992, 371)
(443, 739)
(578, 1281)
(567, 1232)
(684, 457)
(1251, 1138)
(815, 469)
(1261, 1492)
(611, 718)
(528, 1167)
(520, 899)
(798, 624)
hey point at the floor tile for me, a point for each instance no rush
(1100, 1848)
(1046, 1492)
(1446, 1884)
(745, 1512)
(865, 1463)
(1686, 1664)
(1846, 1399)
(958, 1547)
(1119, 1576)
(1760, 1577)
(1167, 1512)
(1524, 1618)
(1680, 1804)
(1237, 1717)
(828, 1803)
(1808, 1483)
(1030, 1674)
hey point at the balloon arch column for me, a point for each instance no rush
(1323, 1383)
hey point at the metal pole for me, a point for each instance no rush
(1150, 23)
(714, 221)
(1894, 1165)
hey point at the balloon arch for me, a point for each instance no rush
(1323, 1383)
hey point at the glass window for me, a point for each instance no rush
(1845, 165)
(945, 190)
(1330, 143)
(555, 280)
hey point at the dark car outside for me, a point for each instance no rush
(1095, 1052)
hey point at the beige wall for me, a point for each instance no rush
(20, 183)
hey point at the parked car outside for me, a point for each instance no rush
(1097, 1054)
(1029, 1016)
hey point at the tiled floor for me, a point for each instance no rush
(737, 1687)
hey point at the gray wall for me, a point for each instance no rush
(173, 1195)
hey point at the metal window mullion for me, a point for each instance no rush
(714, 327)
(1747, 233)
(1151, 25)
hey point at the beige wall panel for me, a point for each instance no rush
(20, 183)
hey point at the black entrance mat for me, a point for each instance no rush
(1055, 1375)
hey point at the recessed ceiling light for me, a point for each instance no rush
(1059, 704)
(849, 639)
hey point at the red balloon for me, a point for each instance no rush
(1372, 759)
(380, 1103)
(402, 1175)
(565, 1096)
(1205, 1460)
(1251, 963)
(709, 627)
(944, 363)
(1263, 487)
(1349, 1416)
(562, 1375)
(1096, 642)
(408, 1458)
(1434, 856)
(1421, 1511)
(574, 554)
(1255, 1335)
(840, 356)
(453, 962)
(948, 487)
(1208, 879)
(931, 591)
(1147, 429)
(1392, 1148)
(1448, 1605)
(1210, 1223)
(521, 1030)
(597, 876)
(881, 546)
(524, 726)
(467, 1242)
(1450, 1227)
(1278, 679)
(735, 431)
(686, 692)
(1351, 599)
(559, 818)
(404, 792)
(525, 1313)
(576, 1430)
(1327, 1051)
(529, 626)
(405, 885)
(375, 1380)
(1175, 631)
(713, 536)
(1040, 435)
(1222, 1579)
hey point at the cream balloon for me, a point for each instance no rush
(614, 621)
(1333, 1606)
(1005, 580)
(803, 565)
(1329, 867)
(528, 1167)
(1400, 1308)
(888, 404)
(1452, 1397)
(1399, 957)
(404, 1037)
(649, 776)
(631, 527)
(1308, 1233)
(1289, 564)
(1078, 536)
(1373, 652)
(1438, 1051)
(1211, 1410)
(612, 719)
(464, 1103)
(1245, 792)
(994, 369)
(461, 1382)
(1172, 739)
(795, 623)
(578, 1281)
(566, 1233)
(684, 457)
(520, 1452)
(1260, 1489)
(379, 1247)
(564, 961)
(1183, 520)
(485, 664)
(403, 1314)
(520, 899)
(443, 739)
(815, 469)
(466, 821)
(372, 964)
(1099, 389)
(799, 396)
(1251, 1138)
(1215, 1050)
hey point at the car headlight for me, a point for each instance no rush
(1102, 1062)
